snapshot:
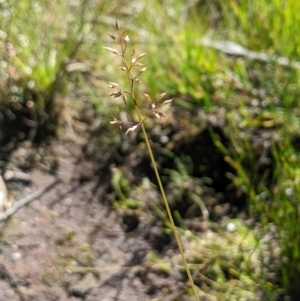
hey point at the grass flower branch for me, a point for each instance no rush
(129, 67)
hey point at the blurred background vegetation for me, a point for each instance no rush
(234, 62)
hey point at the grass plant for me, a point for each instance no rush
(38, 54)
(133, 68)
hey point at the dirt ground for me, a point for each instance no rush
(71, 243)
(48, 246)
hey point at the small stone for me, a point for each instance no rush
(16, 256)
(231, 227)
(81, 288)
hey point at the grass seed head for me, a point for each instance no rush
(112, 50)
(147, 97)
(143, 69)
(122, 40)
(113, 37)
(113, 85)
(131, 129)
(141, 56)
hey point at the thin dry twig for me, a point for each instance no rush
(27, 199)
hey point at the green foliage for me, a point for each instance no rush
(184, 188)
(122, 188)
(158, 263)
(259, 97)
(284, 210)
(40, 49)
(265, 25)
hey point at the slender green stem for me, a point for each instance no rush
(131, 81)
(179, 244)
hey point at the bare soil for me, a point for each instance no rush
(72, 243)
